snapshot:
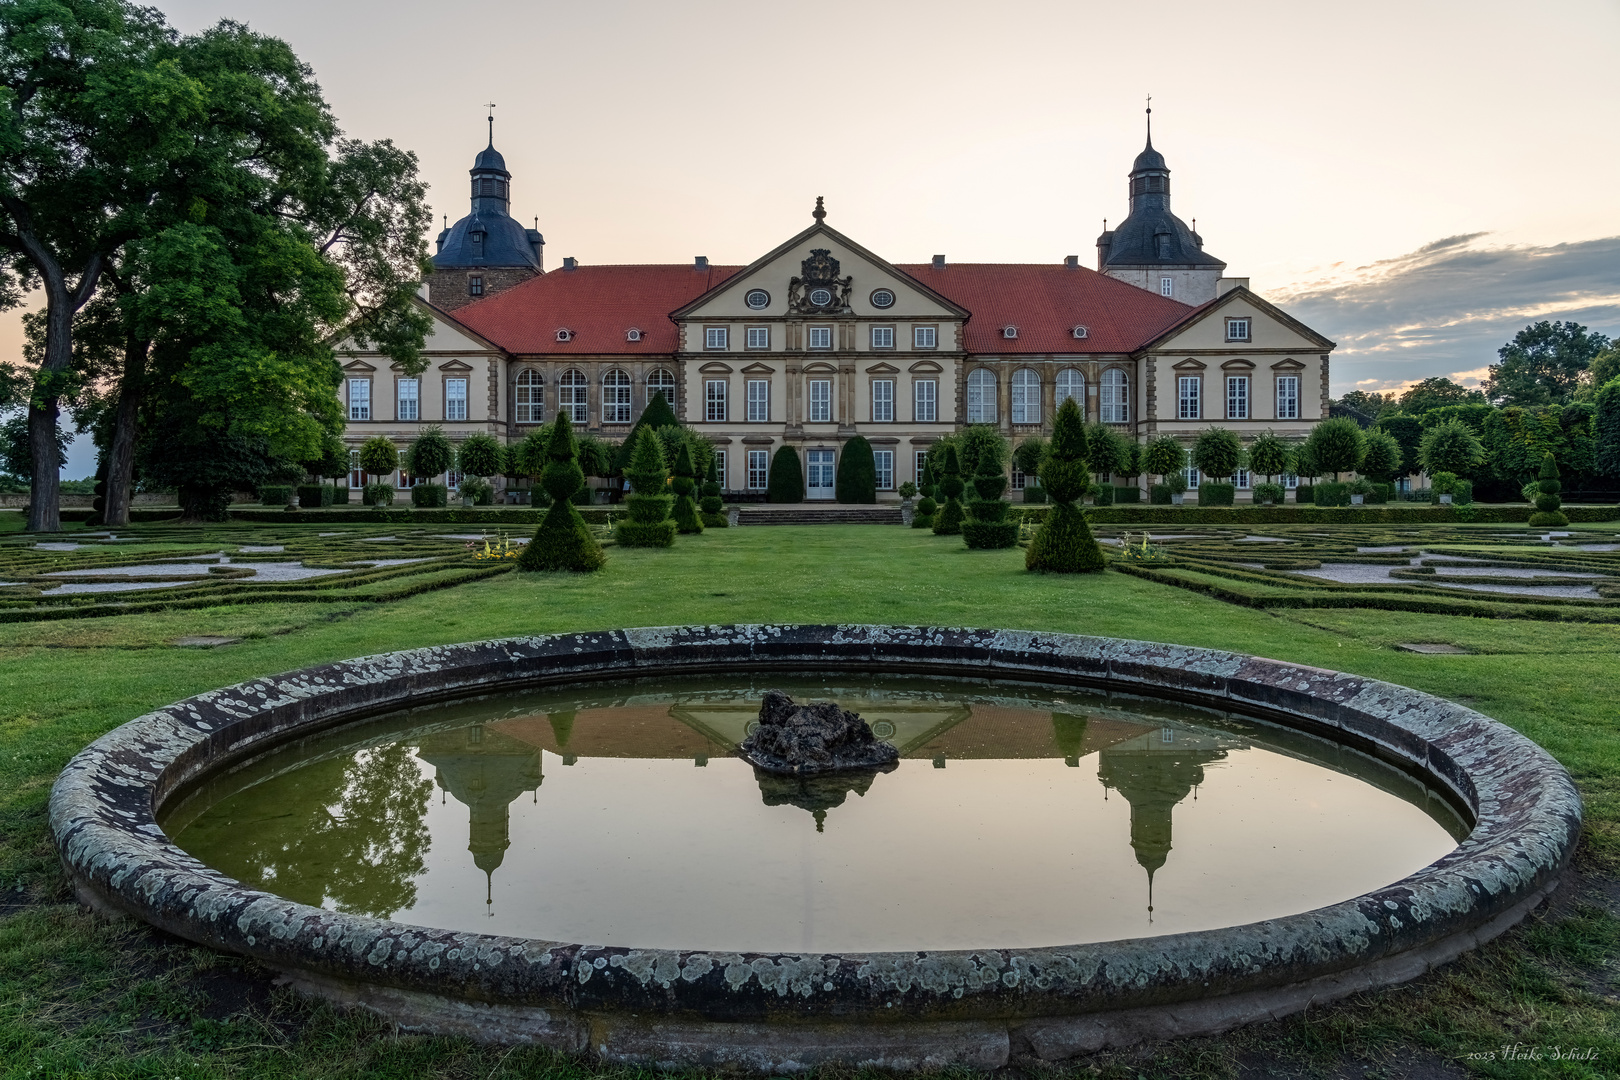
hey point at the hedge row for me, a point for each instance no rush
(1315, 515)
(1430, 605)
(517, 515)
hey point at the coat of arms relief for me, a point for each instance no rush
(820, 291)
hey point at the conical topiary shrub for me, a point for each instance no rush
(1064, 544)
(857, 473)
(713, 507)
(787, 477)
(948, 520)
(563, 542)
(684, 486)
(1548, 504)
(647, 505)
(989, 527)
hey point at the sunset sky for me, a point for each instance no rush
(1417, 180)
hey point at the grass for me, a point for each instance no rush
(79, 996)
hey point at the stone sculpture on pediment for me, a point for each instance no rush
(820, 270)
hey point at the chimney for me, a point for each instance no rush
(1227, 284)
(570, 263)
(700, 262)
(939, 262)
(1072, 261)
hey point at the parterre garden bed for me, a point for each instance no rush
(81, 996)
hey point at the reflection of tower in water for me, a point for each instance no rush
(485, 771)
(1155, 772)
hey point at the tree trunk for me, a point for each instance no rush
(45, 493)
(121, 455)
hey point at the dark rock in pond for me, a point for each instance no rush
(800, 740)
(818, 793)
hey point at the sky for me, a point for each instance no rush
(1416, 180)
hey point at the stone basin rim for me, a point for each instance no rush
(1526, 813)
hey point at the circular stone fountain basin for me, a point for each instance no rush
(1309, 834)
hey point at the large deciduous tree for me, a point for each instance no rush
(1435, 393)
(1543, 364)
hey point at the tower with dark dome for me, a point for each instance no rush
(1152, 248)
(487, 251)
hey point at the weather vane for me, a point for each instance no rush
(492, 123)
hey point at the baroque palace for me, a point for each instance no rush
(820, 340)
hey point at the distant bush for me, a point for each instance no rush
(314, 496)
(1034, 494)
(1214, 493)
(429, 495)
(1127, 494)
(1305, 493)
(1331, 493)
(1159, 494)
(275, 494)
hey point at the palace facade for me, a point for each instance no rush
(820, 340)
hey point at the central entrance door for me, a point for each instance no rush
(818, 474)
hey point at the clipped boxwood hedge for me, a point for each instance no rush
(1394, 513)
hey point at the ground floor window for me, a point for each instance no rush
(1190, 471)
(1290, 481)
(1243, 479)
(819, 473)
(1018, 480)
(759, 469)
(720, 467)
(884, 460)
(922, 466)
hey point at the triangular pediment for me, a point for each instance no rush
(757, 368)
(1189, 364)
(445, 335)
(882, 369)
(812, 254)
(1270, 329)
(455, 365)
(359, 365)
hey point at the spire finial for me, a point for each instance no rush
(1150, 119)
(819, 212)
(491, 125)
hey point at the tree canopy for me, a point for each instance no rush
(1436, 392)
(1543, 364)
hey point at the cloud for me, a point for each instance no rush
(1446, 308)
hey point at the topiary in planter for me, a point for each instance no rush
(378, 456)
(1063, 544)
(1548, 503)
(1269, 494)
(378, 494)
(948, 521)
(563, 541)
(787, 477)
(684, 485)
(648, 507)
(856, 481)
(989, 527)
(430, 455)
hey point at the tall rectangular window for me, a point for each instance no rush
(1237, 397)
(821, 337)
(759, 401)
(1019, 480)
(475, 285)
(759, 337)
(1190, 471)
(714, 337)
(357, 478)
(455, 399)
(714, 399)
(921, 465)
(759, 469)
(1288, 397)
(884, 460)
(720, 468)
(925, 400)
(882, 401)
(820, 401)
(1243, 479)
(410, 400)
(1187, 398)
(359, 399)
(882, 337)
(923, 337)
(1167, 286)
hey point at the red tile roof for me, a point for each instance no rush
(1045, 302)
(600, 304)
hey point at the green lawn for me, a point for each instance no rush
(81, 996)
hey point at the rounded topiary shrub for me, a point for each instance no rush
(989, 527)
(1063, 544)
(563, 541)
(711, 505)
(923, 518)
(685, 511)
(787, 477)
(1549, 505)
(647, 506)
(431, 454)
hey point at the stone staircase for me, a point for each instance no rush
(811, 514)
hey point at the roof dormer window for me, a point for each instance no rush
(1080, 332)
(1009, 332)
(632, 334)
(564, 334)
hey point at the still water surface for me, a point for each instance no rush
(1019, 816)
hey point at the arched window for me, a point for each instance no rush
(615, 397)
(661, 382)
(530, 397)
(981, 396)
(572, 396)
(1026, 397)
(1071, 384)
(1115, 400)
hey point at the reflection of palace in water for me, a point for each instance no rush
(487, 766)
(485, 770)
